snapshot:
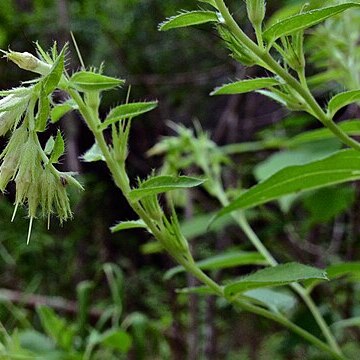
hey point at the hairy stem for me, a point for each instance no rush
(118, 172)
(277, 69)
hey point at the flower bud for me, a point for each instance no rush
(9, 119)
(28, 62)
(54, 198)
(33, 198)
(11, 156)
(256, 11)
(238, 51)
(29, 169)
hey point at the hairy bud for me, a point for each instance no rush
(27, 61)
(256, 11)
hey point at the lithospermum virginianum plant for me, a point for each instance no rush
(26, 111)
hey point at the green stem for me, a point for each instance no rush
(240, 218)
(274, 66)
(291, 326)
(118, 172)
(258, 33)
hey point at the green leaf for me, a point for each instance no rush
(274, 300)
(199, 290)
(276, 96)
(115, 279)
(49, 146)
(341, 167)
(128, 111)
(91, 81)
(291, 9)
(322, 79)
(151, 247)
(351, 269)
(304, 154)
(223, 261)
(36, 342)
(59, 148)
(160, 184)
(244, 86)
(342, 324)
(84, 300)
(52, 80)
(56, 327)
(325, 204)
(188, 19)
(350, 127)
(274, 276)
(199, 225)
(116, 339)
(125, 225)
(210, 2)
(341, 100)
(93, 154)
(43, 113)
(60, 110)
(303, 21)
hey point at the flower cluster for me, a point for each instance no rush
(39, 185)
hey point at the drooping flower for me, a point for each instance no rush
(11, 156)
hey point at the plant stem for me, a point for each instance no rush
(240, 218)
(277, 69)
(118, 172)
(291, 326)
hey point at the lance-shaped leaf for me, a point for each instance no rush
(340, 167)
(151, 247)
(56, 327)
(58, 149)
(341, 100)
(52, 80)
(350, 127)
(244, 86)
(351, 269)
(115, 339)
(160, 184)
(125, 225)
(43, 113)
(49, 146)
(93, 154)
(58, 111)
(270, 298)
(223, 261)
(341, 324)
(199, 290)
(273, 299)
(128, 111)
(91, 81)
(190, 18)
(303, 21)
(279, 275)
